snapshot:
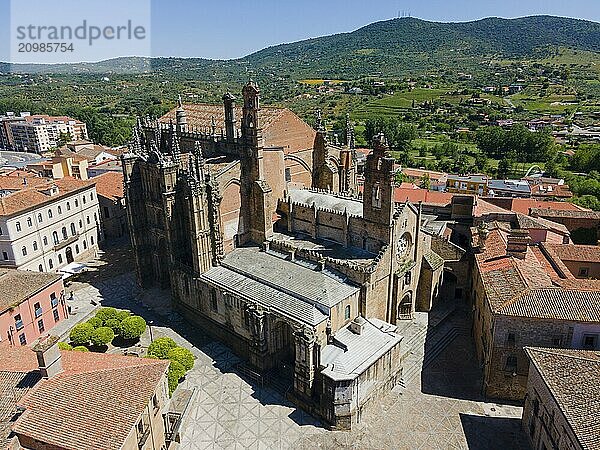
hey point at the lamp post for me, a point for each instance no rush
(150, 323)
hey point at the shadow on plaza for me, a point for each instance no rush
(154, 306)
(493, 433)
(450, 365)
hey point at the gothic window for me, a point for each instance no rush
(404, 244)
(376, 196)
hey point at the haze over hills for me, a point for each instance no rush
(389, 48)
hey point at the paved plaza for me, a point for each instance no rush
(438, 407)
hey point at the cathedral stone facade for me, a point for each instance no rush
(260, 233)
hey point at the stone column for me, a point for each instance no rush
(304, 369)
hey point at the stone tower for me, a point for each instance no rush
(228, 104)
(378, 194)
(181, 117)
(255, 192)
(322, 176)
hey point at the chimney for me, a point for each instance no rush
(48, 356)
(518, 241)
(483, 233)
(357, 325)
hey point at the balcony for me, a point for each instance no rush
(66, 242)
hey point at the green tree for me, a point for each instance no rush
(81, 348)
(425, 182)
(107, 313)
(102, 336)
(182, 356)
(114, 324)
(63, 138)
(132, 327)
(176, 373)
(81, 334)
(504, 168)
(160, 347)
(65, 346)
(95, 322)
(588, 201)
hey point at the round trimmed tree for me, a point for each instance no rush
(176, 373)
(81, 334)
(114, 324)
(64, 346)
(123, 314)
(80, 348)
(102, 336)
(107, 313)
(95, 322)
(182, 356)
(132, 327)
(160, 347)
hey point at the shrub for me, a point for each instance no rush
(132, 327)
(80, 348)
(182, 356)
(160, 347)
(176, 373)
(105, 314)
(123, 314)
(114, 324)
(65, 346)
(95, 322)
(81, 333)
(151, 357)
(102, 336)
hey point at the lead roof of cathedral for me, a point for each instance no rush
(327, 201)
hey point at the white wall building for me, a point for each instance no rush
(46, 227)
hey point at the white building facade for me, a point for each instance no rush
(49, 234)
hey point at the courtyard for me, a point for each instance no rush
(439, 405)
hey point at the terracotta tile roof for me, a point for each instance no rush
(16, 286)
(482, 208)
(558, 191)
(555, 303)
(422, 195)
(418, 173)
(93, 403)
(572, 252)
(16, 183)
(557, 213)
(281, 127)
(523, 205)
(110, 185)
(573, 378)
(32, 197)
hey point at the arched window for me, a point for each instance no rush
(76, 203)
(77, 249)
(40, 218)
(87, 219)
(80, 224)
(83, 199)
(64, 233)
(18, 226)
(73, 230)
(49, 214)
(84, 245)
(29, 222)
(55, 237)
(24, 251)
(45, 240)
(60, 258)
(68, 206)
(347, 312)
(35, 246)
(59, 209)
(50, 263)
(92, 240)
(40, 268)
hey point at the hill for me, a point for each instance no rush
(395, 47)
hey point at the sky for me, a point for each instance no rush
(233, 28)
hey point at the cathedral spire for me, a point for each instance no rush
(174, 144)
(180, 116)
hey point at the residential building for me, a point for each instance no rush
(6, 137)
(111, 199)
(525, 295)
(286, 276)
(93, 153)
(584, 225)
(55, 399)
(561, 408)
(40, 133)
(467, 184)
(31, 303)
(437, 180)
(59, 167)
(46, 224)
(508, 188)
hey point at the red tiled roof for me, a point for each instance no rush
(422, 195)
(93, 403)
(110, 185)
(572, 252)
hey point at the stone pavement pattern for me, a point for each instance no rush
(440, 407)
